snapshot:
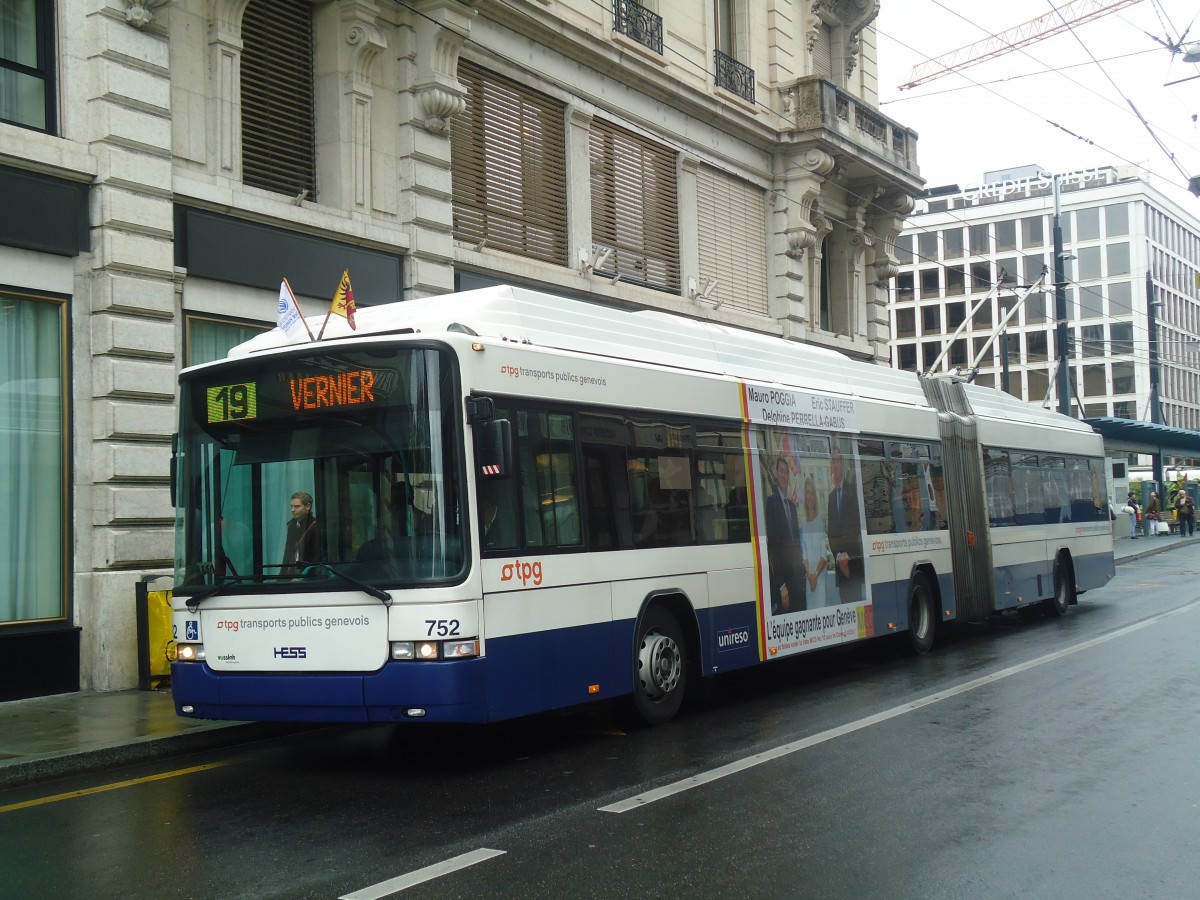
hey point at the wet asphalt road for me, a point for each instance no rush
(1057, 758)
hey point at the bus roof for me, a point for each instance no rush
(648, 336)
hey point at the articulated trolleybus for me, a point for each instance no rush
(485, 505)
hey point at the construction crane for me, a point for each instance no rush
(1061, 19)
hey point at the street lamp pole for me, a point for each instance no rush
(1155, 406)
(1060, 312)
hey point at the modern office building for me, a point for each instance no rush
(163, 166)
(968, 256)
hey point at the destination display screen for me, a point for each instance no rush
(300, 389)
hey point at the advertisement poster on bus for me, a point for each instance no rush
(809, 511)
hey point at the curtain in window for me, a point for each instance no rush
(209, 340)
(33, 524)
(22, 81)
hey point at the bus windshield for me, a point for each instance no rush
(321, 467)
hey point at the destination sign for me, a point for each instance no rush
(323, 391)
(232, 402)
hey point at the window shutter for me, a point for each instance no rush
(823, 53)
(508, 163)
(732, 223)
(635, 207)
(278, 132)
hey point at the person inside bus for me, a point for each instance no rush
(815, 547)
(784, 557)
(844, 528)
(301, 544)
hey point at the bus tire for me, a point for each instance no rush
(922, 614)
(1064, 588)
(660, 666)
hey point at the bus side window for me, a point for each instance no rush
(549, 487)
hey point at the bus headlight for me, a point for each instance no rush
(459, 649)
(434, 650)
(189, 653)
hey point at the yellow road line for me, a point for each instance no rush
(71, 795)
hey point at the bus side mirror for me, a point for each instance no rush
(494, 449)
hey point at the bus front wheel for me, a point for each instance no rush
(922, 614)
(660, 667)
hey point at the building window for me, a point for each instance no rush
(1035, 308)
(1120, 298)
(1033, 231)
(724, 13)
(1094, 383)
(927, 246)
(1118, 259)
(955, 314)
(904, 287)
(1033, 264)
(1121, 337)
(979, 240)
(1088, 265)
(906, 322)
(952, 243)
(1035, 347)
(931, 320)
(33, 472)
(278, 113)
(906, 357)
(981, 277)
(27, 89)
(1087, 224)
(929, 283)
(1091, 303)
(904, 248)
(1116, 220)
(1091, 338)
(956, 280)
(635, 206)
(212, 339)
(508, 165)
(1006, 235)
(732, 223)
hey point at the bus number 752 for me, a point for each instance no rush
(442, 627)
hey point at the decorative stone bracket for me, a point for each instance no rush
(441, 28)
(140, 13)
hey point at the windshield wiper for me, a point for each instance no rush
(377, 593)
(196, 599)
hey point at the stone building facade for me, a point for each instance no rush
(165, 165)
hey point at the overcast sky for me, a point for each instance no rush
(998, 114)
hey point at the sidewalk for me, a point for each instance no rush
(69, 734)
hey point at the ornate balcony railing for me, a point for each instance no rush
(820, 106)
(733, 76)
(635, 21)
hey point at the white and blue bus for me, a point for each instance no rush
(514, 502)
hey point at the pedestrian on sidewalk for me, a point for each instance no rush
(1131, 507)
(1150, 519)
(1187, 518)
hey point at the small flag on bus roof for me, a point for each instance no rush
(343, 303)
(289, 317)
(343, 300)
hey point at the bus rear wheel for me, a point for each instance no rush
(660, 667)
(1064, 588)
(922, 615)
